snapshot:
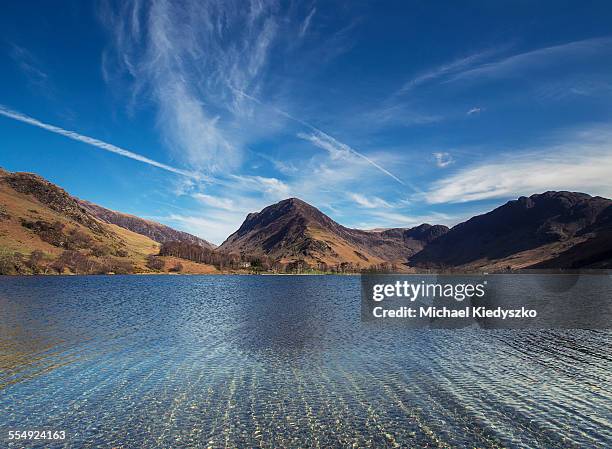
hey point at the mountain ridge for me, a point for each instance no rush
(293, 229)
(155, 231)
(550, 230)
(553, 229)
(514, 232)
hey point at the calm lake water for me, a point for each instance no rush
(280, 361)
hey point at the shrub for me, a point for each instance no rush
(35, 261)
(77, 239)
(100, 250)
(121, 252)
(4, 215)
(119, 266)
(8, 262)
(48, 232)
(155, 263)
(177, 268)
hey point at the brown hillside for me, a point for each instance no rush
(44, 230)
(294, 230)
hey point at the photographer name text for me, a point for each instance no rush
(445, 312)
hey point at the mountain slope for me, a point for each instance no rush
(526, 232)
(294, 230)
(45, 230)
(38, 216)
(155, 231)
(52, 196)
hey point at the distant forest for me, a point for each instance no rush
(233, 261)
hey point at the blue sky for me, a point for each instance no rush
(381, 114)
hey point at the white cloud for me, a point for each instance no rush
(91, 141)
(387, 219)
(188, 126)
(372, 202)
(216, 202)
(443, 159)
(583, 163)
(273, 188)
(213, 227)
(474, 110)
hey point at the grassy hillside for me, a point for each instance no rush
(44, 230)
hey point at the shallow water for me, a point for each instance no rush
(243, 361)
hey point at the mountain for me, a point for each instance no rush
(293, 230)
(155, 231)
(548, 230)
(43, 229)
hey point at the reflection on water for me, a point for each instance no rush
(239, 361)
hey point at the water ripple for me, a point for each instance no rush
(224, 361)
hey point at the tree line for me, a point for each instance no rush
(261, 263)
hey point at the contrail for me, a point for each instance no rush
(93, 142)
(320, 133)
(356, 153)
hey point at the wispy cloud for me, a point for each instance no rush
(402, 108)
(391, 219)
(206, 66)
(401, 114)
(474, 111)
(30, 66)
(339, 150)
(215, 201)
(323, 140)
(583, 162)
(286, 168)
(181, 55)
(536, 59)
(372, 202)
(444, 70)
(6, 112)
(214, 227)
(443, 159)
(197, 61)
(306, 23)
(596, 88)
(272, 187)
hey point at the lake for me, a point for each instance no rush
(281, 361)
